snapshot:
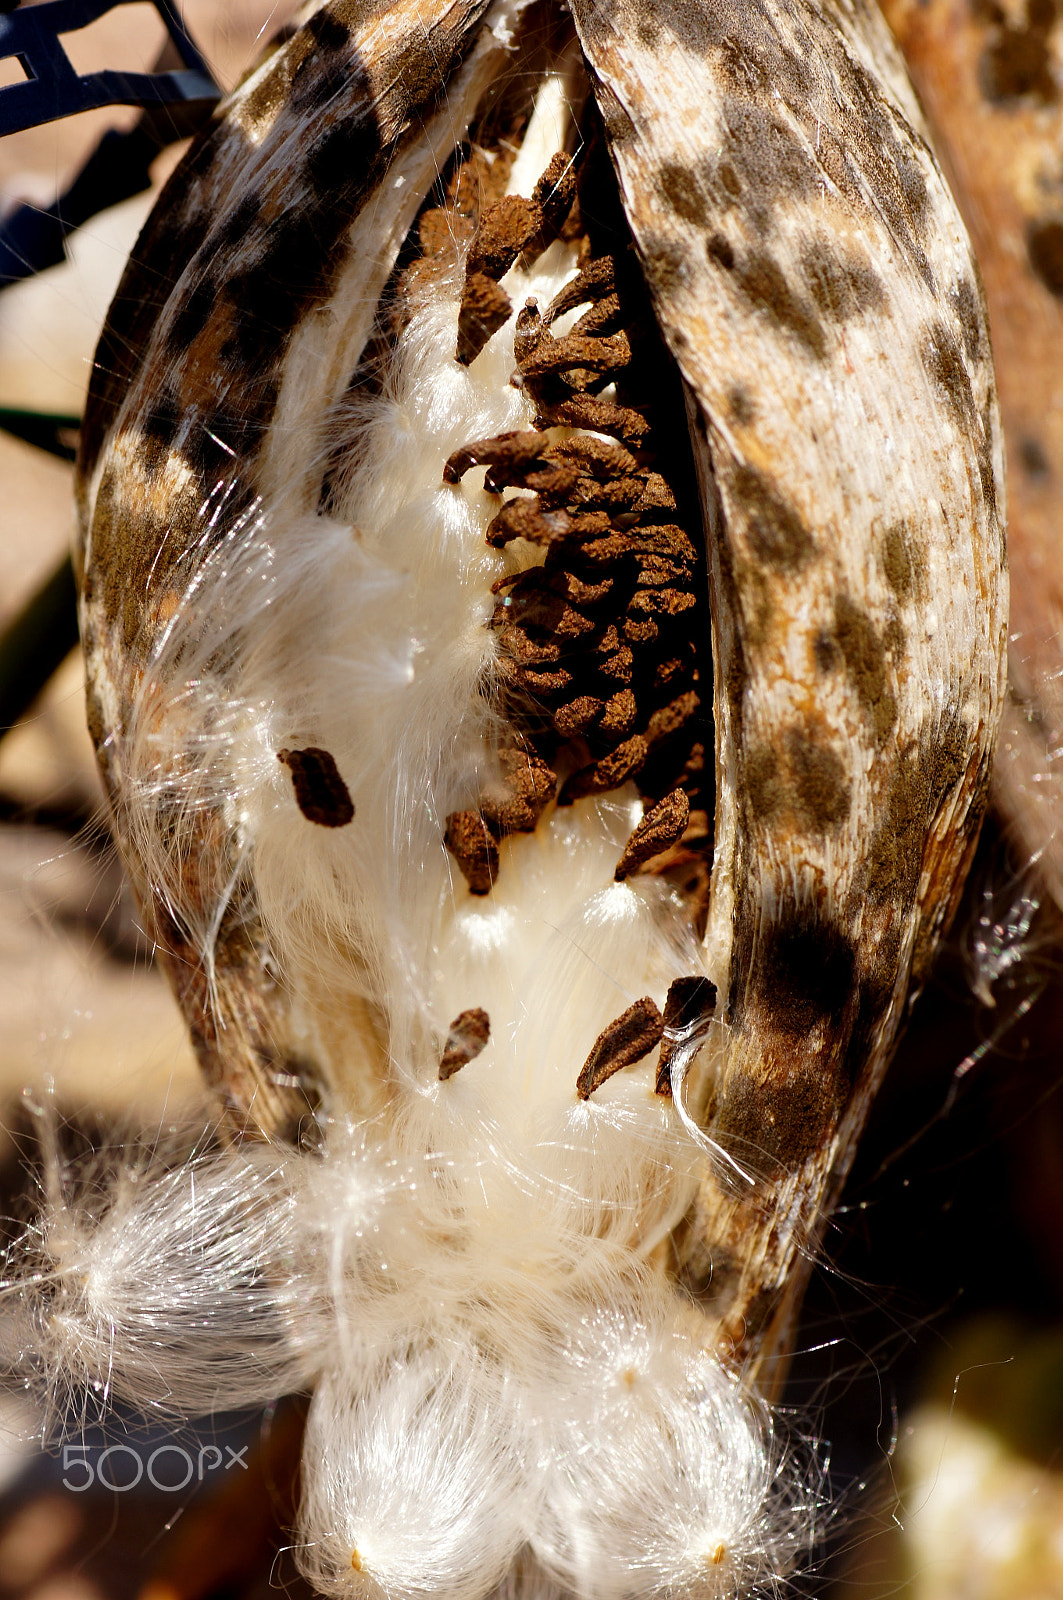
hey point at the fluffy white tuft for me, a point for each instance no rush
(415, 1482)
(170, 1286)
(662, 1478)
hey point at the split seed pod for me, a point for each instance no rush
(565, 850)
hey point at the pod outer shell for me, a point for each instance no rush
(815, 284)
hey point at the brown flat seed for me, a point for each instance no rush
(585, 525)
(466, 1037)
(688, 1010)
(474, 847)
(670, 718)
(552, 482)
(602, 319)
(505, 228)
(597, 279)
(539, 610)
(510, 449)
(587, 411)
(442, 231)
(640, 630)
(577, 716)
(485, 308)
(659, 829)
(541, 685)
(525, 519)
(556, 189)
(618, 494)
(609, 773)
(526, 652)
(657, 496)
(553, 194)
(529, 786)
(662, 602)
(596, 458)
(603, 551)
(667, 671)
(587, 594)
(320, 792)
(618, 666)
(636, 1032)
(571, 352)
(620, 713)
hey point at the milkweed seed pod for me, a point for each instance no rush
(543, 592)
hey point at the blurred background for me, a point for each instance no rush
(929, 1363)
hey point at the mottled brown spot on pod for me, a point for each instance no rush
(615, 119)
(864, 655)
(903, 561)
(947, 758)
(1044, 246)
(327, 32)
(737, 680)
(772, 159)
(889, 151)
(191, 315)
(728, 179)
(337, 160)
(318, 67)
(920, 785)
(797, 983)
(764, 285)
(967, 304)
(841, 286)
(720, 250)
(895, 639)
(895, 856)
(825, 652)
(778, 536)
(628, 1039)
(666, 261)
(682, 192)
(943, 360)
(168, 235)
(320, 792)
(647, 29)
(466, 1038)
(126, 566)
(987, 478)
(741, 405)
(801, 780)
(802, 968)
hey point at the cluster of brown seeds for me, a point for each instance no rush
(602, 644)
